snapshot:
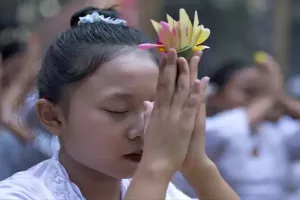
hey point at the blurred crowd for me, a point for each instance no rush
(253, 127)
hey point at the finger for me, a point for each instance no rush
(273, 64)
(199, 128)
(166, 84)
(198, 53)
(194, 63)
(182, 88)
(268, 65)
(189, 112)
(265, 61)
(148, 110)
(162, 65)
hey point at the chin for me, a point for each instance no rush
(127, 170)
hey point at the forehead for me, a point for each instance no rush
(133, 73)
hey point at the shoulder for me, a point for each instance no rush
(23, 186)
(29, 185)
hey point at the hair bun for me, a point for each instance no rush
(106, 12)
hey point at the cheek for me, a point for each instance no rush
(92, 134)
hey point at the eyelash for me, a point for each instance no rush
(116, 112)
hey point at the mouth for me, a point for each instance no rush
(134, 157)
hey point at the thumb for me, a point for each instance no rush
(148, 110)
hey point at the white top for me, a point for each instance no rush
(49, 181)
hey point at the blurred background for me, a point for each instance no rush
(238, 29)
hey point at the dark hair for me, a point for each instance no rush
(79, 51)
(223, 74)
(13, 45)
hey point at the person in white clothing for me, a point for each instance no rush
(244, 135)
(95, 91)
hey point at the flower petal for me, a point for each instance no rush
(146, 46)
(163, 35)
(165, 25)
(170, 35)
(203, 35)
(196, 30)
(156, 26)
(186, 28)
(171, 22)
(200, 48)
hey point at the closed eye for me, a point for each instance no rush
(117, 112)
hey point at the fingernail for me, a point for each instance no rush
(148, 103)
(206, 80)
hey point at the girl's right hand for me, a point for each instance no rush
(168, 134)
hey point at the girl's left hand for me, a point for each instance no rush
(196, 153)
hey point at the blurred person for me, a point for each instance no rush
(244, 137)
(20, 147)
(293, 84)
(263, 158)
(294, 127)
(18, 150)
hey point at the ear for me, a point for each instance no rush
(50, 116)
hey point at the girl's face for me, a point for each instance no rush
(105, 121)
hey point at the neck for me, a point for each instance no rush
(92, 184)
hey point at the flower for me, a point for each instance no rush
(182, 35)
(260, 57)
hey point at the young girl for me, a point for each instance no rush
(95, 89)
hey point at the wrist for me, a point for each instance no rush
(158, 171)
(193, 167)
(199, 171)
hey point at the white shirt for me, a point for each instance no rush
(49, 181)
(230, 143)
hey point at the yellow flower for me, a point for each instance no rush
(260, 57)
(182, 35)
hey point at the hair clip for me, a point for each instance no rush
(182, 35)
(95, 17)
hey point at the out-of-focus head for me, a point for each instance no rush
(236, 83)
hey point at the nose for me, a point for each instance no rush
(140, 121)
(136, 129)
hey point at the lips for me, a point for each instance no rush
(134, 157)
